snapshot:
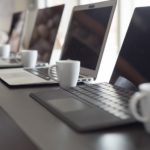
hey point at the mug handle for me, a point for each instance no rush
(51, 74)
(133, 106)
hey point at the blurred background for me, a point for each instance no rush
(118, 29)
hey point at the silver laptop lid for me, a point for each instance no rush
(45, 30)
(16, 30)
(87, 34)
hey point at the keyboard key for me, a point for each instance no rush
(105, 96)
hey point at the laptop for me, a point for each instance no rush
(105, 105)
(45, 31)
(84, 42)
(15, 39)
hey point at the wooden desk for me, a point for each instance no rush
(49, 133)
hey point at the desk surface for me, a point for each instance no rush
(50, 133)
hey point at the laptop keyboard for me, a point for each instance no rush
(110, 98)
(12, 60)
(41, 72)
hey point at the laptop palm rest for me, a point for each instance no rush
(73, 111)
(67, 104)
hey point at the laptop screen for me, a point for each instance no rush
(16, 30)
(45, 30)
(86, 34)
(132, 65)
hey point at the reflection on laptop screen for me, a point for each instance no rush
(134, 59)
(16, 30)
(45, 30)
(85, 36)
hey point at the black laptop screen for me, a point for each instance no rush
(133, 62)
(45, 31)
(86, 35)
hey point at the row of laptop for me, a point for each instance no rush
(95, 106)
(85, 41)
(41, 38)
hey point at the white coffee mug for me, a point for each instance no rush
(5, 51)
(67, 72)
(29, 58)
(143, 98)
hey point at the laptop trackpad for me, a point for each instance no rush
(67, 104)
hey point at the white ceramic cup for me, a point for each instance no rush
(143, 98)
(67, 72)
(29, 58)
(5, 51)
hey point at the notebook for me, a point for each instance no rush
(11, 136)
(45, 30)
(97, 106)
(15, 39)
(84, 42)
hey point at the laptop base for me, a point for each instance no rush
(80, 115)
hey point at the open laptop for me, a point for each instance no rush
(45, 30)
(15, 39)
(97, 106)
(85, 41)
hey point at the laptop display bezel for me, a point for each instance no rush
(86, 71)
